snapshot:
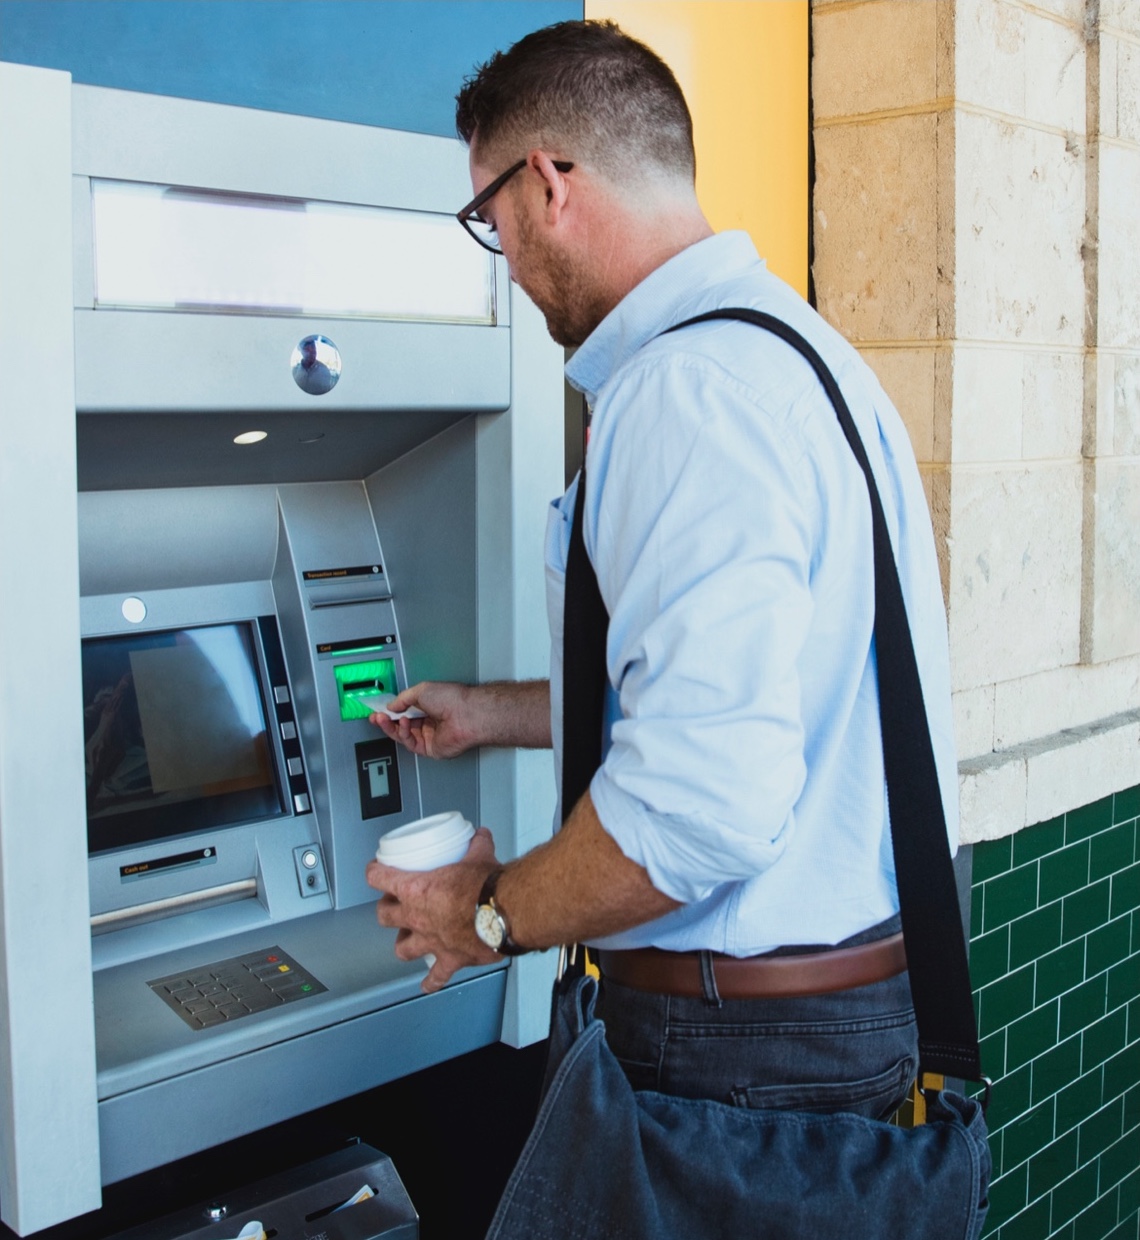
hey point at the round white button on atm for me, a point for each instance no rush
(134, 610)
(309, 860)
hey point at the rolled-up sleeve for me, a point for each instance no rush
(701, 512)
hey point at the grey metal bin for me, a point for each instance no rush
(302, 1204)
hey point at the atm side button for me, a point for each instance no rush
(288, 731)
(295, 766)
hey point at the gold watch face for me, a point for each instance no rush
(489, 926)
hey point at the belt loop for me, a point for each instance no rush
(709, 992)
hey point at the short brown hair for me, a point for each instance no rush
(587, 90)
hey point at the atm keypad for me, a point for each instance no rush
(230, 989)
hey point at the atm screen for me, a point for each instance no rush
(175, 735)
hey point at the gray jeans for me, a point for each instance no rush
(855, 1050)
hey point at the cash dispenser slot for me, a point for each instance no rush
(170, 906)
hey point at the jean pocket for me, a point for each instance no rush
(875, 1097)
(640, 1075)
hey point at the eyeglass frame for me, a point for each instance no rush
(485, 195)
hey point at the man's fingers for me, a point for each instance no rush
(388, 913)
(413, 946)
(382, 877)
(414, 735)
(389, 727)
(409, 945)
(406, 732)
(482, 846)
(440, 973)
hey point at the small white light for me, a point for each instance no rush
(251, 437)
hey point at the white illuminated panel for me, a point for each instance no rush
(181, 249)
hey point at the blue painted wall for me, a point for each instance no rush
(397, 63)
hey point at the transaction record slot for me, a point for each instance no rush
(333, 587)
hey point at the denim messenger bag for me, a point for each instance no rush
(606, 1162)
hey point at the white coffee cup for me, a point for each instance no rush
(427, 843)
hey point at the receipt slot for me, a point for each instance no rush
(212, 567)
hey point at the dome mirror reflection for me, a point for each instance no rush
(316, 365)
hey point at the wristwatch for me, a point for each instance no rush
(490, 923)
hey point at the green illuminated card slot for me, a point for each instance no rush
(356, 682)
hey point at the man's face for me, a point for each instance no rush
(538, 263)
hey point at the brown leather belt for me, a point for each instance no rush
(756, 977)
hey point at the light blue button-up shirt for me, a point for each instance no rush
(730, 530)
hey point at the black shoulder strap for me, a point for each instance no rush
(928, 899)
(585, 623)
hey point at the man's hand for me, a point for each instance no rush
(450, 724)
(434, 911)
(576, 887)
(511, 714)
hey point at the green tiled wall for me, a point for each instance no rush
(1055, 960)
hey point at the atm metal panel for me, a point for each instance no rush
(162, 362)
(129, 136)
(141, 1042)
(148, 1127)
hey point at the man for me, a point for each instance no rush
(310, 373)
(739, 811)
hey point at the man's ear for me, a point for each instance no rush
(556, 185)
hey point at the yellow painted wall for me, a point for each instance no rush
(743, 65)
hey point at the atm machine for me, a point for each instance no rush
(276, 438)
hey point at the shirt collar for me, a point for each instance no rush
(684, 285)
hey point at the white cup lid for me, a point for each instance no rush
(441, 833)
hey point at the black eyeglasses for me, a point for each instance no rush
(480, 229)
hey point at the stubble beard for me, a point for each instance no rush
(557, 288)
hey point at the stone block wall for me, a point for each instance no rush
(1111, 615)
(976, 231)
(977, 235)
(1055, 960)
